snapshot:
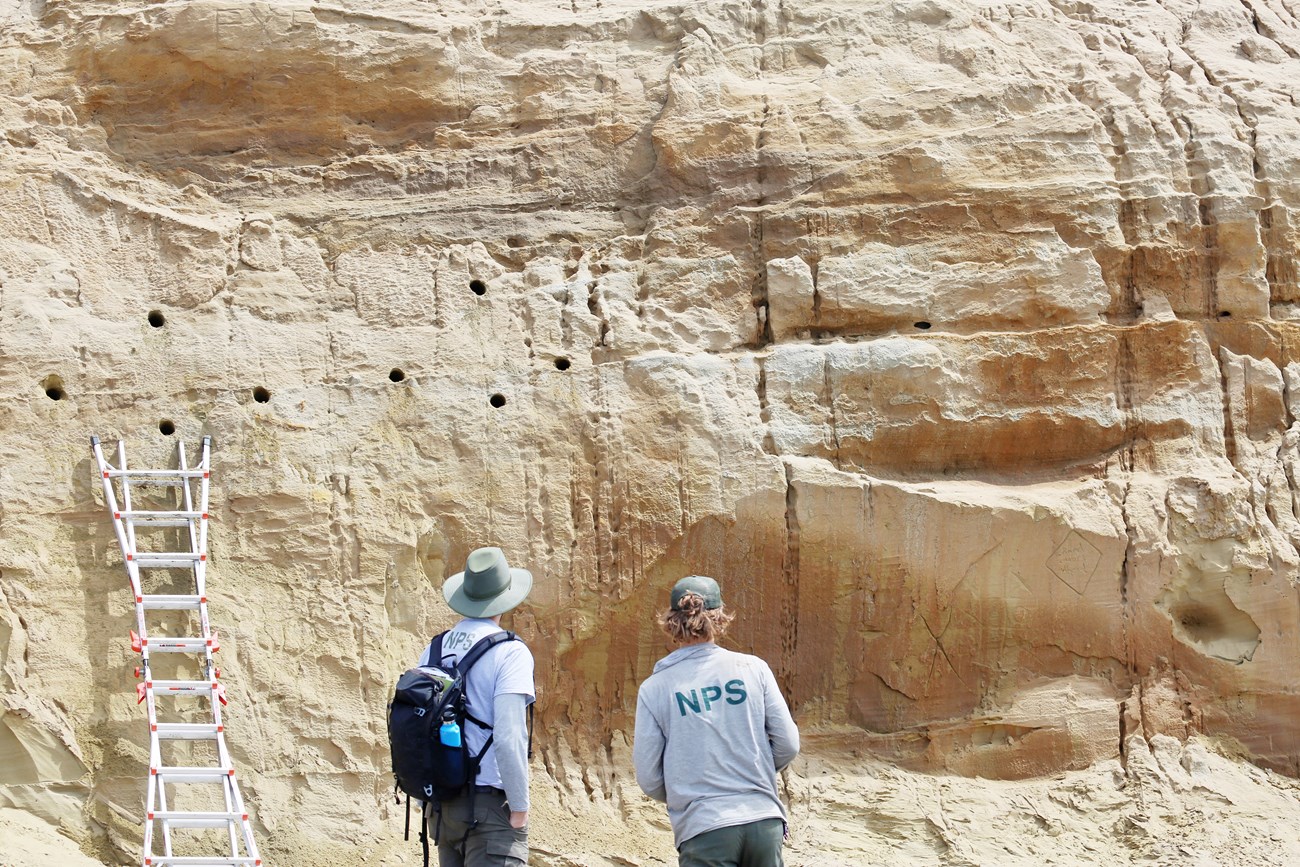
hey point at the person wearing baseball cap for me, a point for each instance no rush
(488, 826)
(712, 731)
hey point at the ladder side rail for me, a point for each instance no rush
(208, 664)
(231, 804)
(126, 500)
(201, 565)
(165, 822)
(234, 803)
(150, 805)
(205, 463)
(187, 496)
(237, 799)
(198, 539)
(110, 500)
(155, 779)
(250, 846)
(215, 701)
(141, 626)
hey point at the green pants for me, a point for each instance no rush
(757, 844)
(491, 843)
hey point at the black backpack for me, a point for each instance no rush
(426, 697)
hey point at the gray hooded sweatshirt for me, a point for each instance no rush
(712, 730)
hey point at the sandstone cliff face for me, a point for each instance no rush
(959, 340)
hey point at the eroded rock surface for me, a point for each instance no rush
(958, 340)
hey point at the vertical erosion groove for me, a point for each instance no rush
(790, 573)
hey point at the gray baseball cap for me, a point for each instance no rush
(703, 586)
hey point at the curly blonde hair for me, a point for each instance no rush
(690, 621)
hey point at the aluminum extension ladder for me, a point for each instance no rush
(212, 787)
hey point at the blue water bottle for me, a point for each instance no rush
(452, 759)
(449, 734)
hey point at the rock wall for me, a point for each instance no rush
(959, 340)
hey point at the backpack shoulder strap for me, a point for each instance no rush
(482, 646)
(435, 649)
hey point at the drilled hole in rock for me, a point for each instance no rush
(261, 395)
(923, 325)
(396, 374)
(514, 242)
(561, 364)
(156, 318)
(53, 385)
(1225, 314)
(497, 400)
(478, 287)
(166, 428)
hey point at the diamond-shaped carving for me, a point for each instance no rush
(1075, 561)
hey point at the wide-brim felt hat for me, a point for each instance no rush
(488, 586)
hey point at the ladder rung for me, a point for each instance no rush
(146, 514)
(198, 860)
(159, 523)
(155, 474)
(187, 819)
(175, 816)
(183, 687)
(166, 560)
(193, 775)
(165, 602)
(186, 731)
(177, 645)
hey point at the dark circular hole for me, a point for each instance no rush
(156, 319)
(1225, 314)
(923, 325)
(561, 364)
(514, 242)
(497, 400)
(261, 395)
(166, 428)
(396, 374)
(53, 385)
(478, 287)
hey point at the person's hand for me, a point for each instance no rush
(518, 819)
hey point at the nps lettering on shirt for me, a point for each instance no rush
(457, 642)
(703, 699)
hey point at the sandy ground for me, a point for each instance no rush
(27, 841)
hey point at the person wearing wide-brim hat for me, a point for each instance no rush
(712, 731)
(488, 826)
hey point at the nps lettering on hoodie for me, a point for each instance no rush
(712, 730)
(708, 695)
